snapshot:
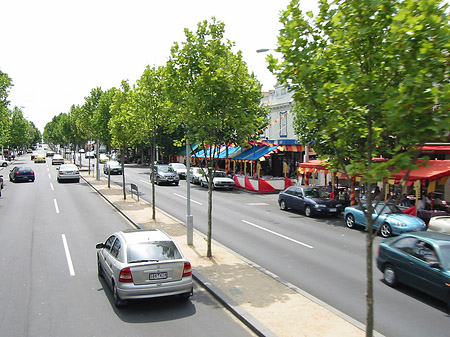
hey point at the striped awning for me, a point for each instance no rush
(292, 148)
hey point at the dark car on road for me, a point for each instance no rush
(165, 174)
(310, 200)
(21, 173)
(420, 260)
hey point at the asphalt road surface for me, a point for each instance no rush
(319, 255)
(48, 276)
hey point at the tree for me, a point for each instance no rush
(217, 99)
(19, 131)
(370, 78)
(152, 112)
(102, 115)
(5, 114)
(122, 125)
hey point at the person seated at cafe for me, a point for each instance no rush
(423, 203)
(404, 201)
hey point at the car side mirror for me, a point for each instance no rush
(100, 245)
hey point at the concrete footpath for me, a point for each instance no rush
(266, 304)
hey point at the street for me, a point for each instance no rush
(48, 276)
(319, 255)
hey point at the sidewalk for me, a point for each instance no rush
(267, 305)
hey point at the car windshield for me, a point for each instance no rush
(387, 209)
(445, 251)
(315, 193)
(220, 174)
(113, 163)
(24, 169)
(165, 169)
(178, 166)
(152, 251)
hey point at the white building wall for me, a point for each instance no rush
(280, 102)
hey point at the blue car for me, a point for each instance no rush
(310, 200)
(419, 260)
(391, 219)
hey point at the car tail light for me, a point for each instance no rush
(187, 271)
(125, 276)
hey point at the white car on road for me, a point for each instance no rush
(220, 180)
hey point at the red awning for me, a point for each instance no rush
(314, 164)
(293, 148)
(435, 149)
(432, 170)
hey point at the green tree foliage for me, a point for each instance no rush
(19, 130)
(122, 124)
(217, 99)
(370, 78)
(101, 117)
(5, 114)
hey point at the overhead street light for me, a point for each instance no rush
(263, 50)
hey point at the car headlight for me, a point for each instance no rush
(339, 205)
(400, 224)
(320, 206)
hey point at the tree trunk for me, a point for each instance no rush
(123, 171)
(210, 190)
(152, 175)
(369, 264)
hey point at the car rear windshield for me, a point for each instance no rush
(155, 250)
(165, 169)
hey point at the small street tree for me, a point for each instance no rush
(151, 113)
(122, 124)
(217, 99)
(370, 78)
(5, 114)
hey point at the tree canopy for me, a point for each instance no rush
(370, 78)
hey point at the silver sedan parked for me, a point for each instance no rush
(139, 264)
(68, 172)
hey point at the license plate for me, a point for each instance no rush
(158, 276)
(333, 209)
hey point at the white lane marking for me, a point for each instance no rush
(51, 186)
(48, 170)
(56, 206)
(278, 234)
(185, 198)
(146, 182)
(49, 176)
(257, 204)
(69, 259)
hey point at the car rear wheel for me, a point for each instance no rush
(386, 230)
(389, 275)
(118, 302)
(283, 205)
(350, 221)
(308, 211)
(99, 269)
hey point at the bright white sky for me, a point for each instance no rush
(56, 51)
